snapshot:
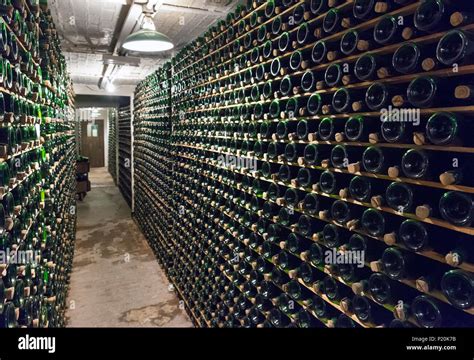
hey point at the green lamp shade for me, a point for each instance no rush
(147, 41)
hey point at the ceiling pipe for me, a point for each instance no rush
(133, 20)
(129, 24)
(191, 10)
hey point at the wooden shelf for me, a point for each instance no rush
(394, 79)
(352, 58)
(248, 15)
(422, 40)
(268, 21)
(434, 293)
(430, 254)
(437, 222)
(425, 253)
(448, 72)
(324, 297)
(445, 148)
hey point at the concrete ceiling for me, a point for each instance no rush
(90, 29)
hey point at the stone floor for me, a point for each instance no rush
(116, 281)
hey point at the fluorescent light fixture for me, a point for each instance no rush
(147, 39)
(110, 87)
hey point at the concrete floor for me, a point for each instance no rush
(116, 281)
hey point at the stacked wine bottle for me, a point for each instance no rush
(124, 135)
(37, 186)
(113, 155)
(321, 169)
(153, 164)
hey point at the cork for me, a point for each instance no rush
(312, 137)
(419, 138)
(325, 163)
(456, 19)
(354, 167)
(452, 259)
(383, 72)
(280, 201)
(398, 100)
(344, 193)
(324, 214)
(393, 171)
(400, 313)
(347, 23)
(316, 287)
(357, 106)
(374, 138)
(293, 274)
(275, 259)
(353, 224)
(9, 293)
(347, 79)
(318, 33)
(462, 92)
(346, 305)
(422, 285)
(390, 238)
(339, 137)
(423, 211)
(357, 288)
(376, 201)
(408, 33)
(304, 255)
(428, 64)
(363, 45)
(8, 224)
(292, 137)
(332, 55)
(300, 205)
(301, 161)
(381, 7)
(376, 266)
(447, 178)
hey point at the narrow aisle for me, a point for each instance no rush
(116, 280)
